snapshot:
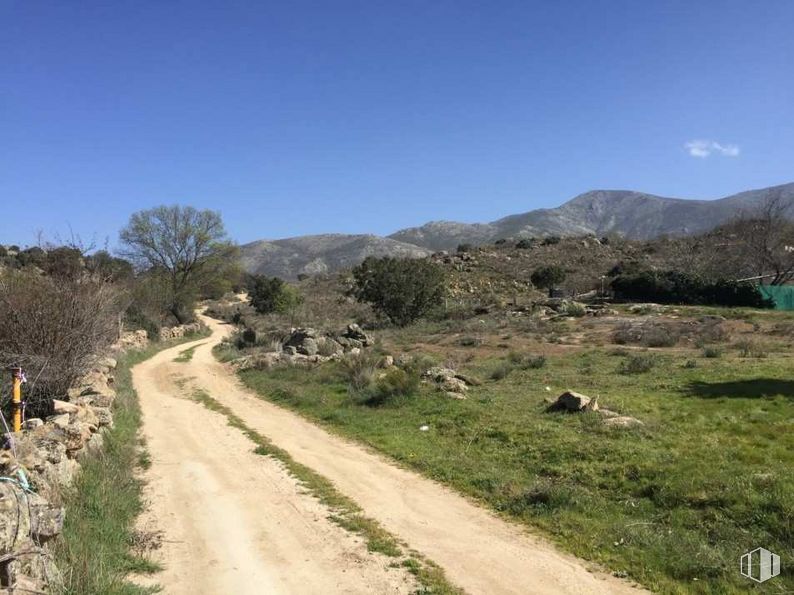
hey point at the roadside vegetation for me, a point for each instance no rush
(95, 552)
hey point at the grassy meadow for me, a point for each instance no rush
(671, 504)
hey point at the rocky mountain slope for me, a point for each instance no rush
(325, 253)
(634, 215)
(631, 214)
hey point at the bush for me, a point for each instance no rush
(525, 243)
(55, 329)
(650, 334)
(748, 348)
(547, 277)
(637, 364)
(501, 371)
(574, 309)
(660, 336)
(359, 370)
(551, 240)
(674, 287)
(394, 383)
(464, 248)
(526, 361)
(249, 336)
(403, 290)
(270, 294)
(712, 352)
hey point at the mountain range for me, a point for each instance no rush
(635, 215)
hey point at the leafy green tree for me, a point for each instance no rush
(188, 247)
(270, 294)
(548, 277)
(403, 290)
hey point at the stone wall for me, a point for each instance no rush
(35, 467)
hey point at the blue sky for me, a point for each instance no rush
(306, 117)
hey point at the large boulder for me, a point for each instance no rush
(573, 401)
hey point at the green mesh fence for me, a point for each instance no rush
(782, 295)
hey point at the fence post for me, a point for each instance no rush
(17, 397)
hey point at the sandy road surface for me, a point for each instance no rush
(237, 524)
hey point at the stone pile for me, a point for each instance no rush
(446, 380)
(308, 346)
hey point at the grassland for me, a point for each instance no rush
(95, 549)
(672, 504)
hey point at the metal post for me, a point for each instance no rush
(17, 398)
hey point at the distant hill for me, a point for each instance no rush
(315, 254)
(631, 214)
(634, 215)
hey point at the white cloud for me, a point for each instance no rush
(704, 148)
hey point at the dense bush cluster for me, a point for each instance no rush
(403, 290)
(674, 287)
(55, 328)
(270, 295)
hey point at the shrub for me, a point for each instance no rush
(55, 329)
(464, 248)
(637, 364)
(748, 348)
(547, 277)
(712, 333)
(359, 370)
(270, 294)
(712, 352)
(394, 383)
(526, 361)
(551, 240)
(674, 287)
(575, 309)
(650, 334)
(660, 336)
(501, 371)
(403, 290)
(249, 336)
(525, 243)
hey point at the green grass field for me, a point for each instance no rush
(672, 504)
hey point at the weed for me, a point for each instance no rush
(526, 361)
(637, 364)
(749, 348)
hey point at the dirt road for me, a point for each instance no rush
(236, 522)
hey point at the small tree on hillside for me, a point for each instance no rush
(548, 277)
(270, 294)
(187, 246)
(403, 290)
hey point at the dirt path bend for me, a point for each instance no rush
(233, 516)
(233, 522)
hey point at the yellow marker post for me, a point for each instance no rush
(17, 397)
